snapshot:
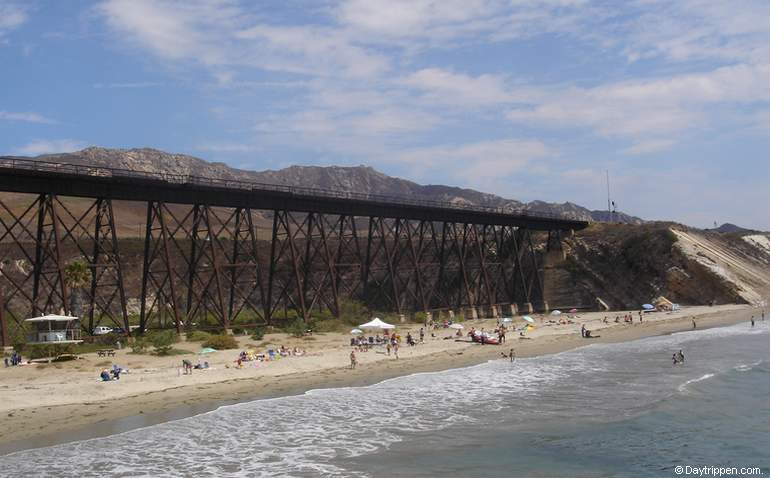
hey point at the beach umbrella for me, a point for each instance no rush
(376, 323)
(356, 331)
(456, 326)
(648, 306)
(556, 312)
(507, 320)
(528, 319)
(572, 311)
(207, 350)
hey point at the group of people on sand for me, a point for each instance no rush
(627, 318)
(270, 355)
(188, 366)
(391, 341)
(111, 374)
(13, 360)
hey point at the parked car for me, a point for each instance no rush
(101, 330)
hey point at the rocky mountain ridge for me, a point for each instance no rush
(357, 179)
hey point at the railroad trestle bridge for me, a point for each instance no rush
(223, 252)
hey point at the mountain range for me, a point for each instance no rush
(356, 179)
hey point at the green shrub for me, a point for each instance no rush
(198, 336)
(258, 334)
(296, 328)
(48, 350)
(353, 312)
(139, 345)
(162, 341)
(221, 342)
(19, 344)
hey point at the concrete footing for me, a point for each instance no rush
(526, 308)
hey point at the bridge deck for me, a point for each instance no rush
(24, 175)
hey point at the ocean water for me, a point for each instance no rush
(604, 410)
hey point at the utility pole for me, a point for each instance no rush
(609, 203)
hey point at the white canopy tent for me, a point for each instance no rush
(376, 323)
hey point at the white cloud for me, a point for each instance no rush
(700, 29)
(648, 109)
(310, 50)
(43, 146)
(25, 116)
(649, 146)
(176, 30)
(442, 86)
(12, 16)
(415, 18)
(475, 163)
(220, 33)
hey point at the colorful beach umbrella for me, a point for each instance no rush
(556, 312)
(207, 350)
(356, 331)
(648, 306)
(507, 320)
(572, 311)
(456, 326)
(528, 319)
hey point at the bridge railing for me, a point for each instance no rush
(98, 171)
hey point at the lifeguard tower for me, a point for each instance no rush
(54, 329)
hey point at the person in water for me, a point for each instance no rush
(752, 321)
(680, 356)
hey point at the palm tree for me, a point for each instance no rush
(78, 276)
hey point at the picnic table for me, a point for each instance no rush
(105, 353)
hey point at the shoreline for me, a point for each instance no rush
(43, 426)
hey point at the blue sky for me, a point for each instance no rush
(526, 99)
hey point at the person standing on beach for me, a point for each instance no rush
(422, 335)
(512, 355)
(395, 349)
(352, 359)
(693, 324)
(387, 347)
(583, 331)
(752, 321)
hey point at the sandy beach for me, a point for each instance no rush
(43, 404)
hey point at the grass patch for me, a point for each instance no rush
(172, 351)
(221, 342)
(198, 336)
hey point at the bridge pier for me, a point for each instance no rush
(511, 310)
(526, 308)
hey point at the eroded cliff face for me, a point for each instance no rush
(627, 266)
